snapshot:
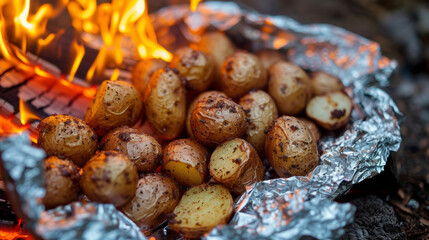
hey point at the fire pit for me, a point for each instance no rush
(354, 59)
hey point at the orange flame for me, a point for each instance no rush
(26, 114)
(194, 4)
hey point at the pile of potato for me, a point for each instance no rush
(238, 108)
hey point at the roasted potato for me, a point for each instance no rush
(312, 127)
(61, 181)
(143, 70)
(269, 57)
(290, 147)
(240, 73)
(115, 104)
(216, 119)
(202, 208)
(67, 136)
(235, 164)
(331, 111)
(156, 197)
(289, 86)
(322, 83)
(196, 67)
(139, 147)
(194, 102)
(109, 177)
(186, 161)
(261, 111)
(165, 103)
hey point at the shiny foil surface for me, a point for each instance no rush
(272, 209)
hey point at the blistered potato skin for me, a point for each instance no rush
(192, 105)
(270, 57)
(115, 104)
(235, 164)
(322, 83)
(141, 148)
(156, 197)
(196, 67)
(69, 137)
(241, 73)
(188, 152)
(290, 147)
(261, 110)
(61, 181)
(313, 128)
(143, 70)
(165, 103)
(217, 119)
(289, 87)
(109, 177)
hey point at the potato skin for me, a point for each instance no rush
(141, 148)
(289, 87)
(189, 153)
(156, 197)
(235, 164)
(61, 181)
(165, 102)
(261, 110)
(115, 104)
(192, 105)
(69, 137)
(270, 57)
(313, 128)
(196, 67)
(217, 119)
(322, 83)
(241, 73)
(109, 177)
(290, 147)
(143, 70)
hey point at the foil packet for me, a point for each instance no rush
(290, 208)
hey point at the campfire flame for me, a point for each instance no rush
(194, 4)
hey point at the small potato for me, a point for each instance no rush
(217, 119)
(313, 128)
(202, 208)
(115, 104)
(109, 177)
(143, 70)
(235, 164)
(196, 67)
(141, 148)
(241, 73)
(269, 57)
(156, 197)
(261, 111)
(331, 111)
(291, 148)
(67, 136)
(322, 83)
(61, 181)
(289, 86)
(186, 161)
(165, 103)
(191, 108)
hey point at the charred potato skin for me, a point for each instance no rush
(68, 137)
(165, 103)
(115, 104)
(61, 181)
(217, 119)
(196, 67)
(141, 148)
(189, 152)
(290, 147)
(241, 73)
(248, 170)
(109, 177)
(192, 105)
(143, 70)
(261, 110)
(322, 83)
(289, 86)
(156, 197)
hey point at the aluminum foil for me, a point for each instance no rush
(289, 208)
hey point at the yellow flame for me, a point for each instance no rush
(115, 74)
(26, 114)
(80, 52)
(194, 4)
